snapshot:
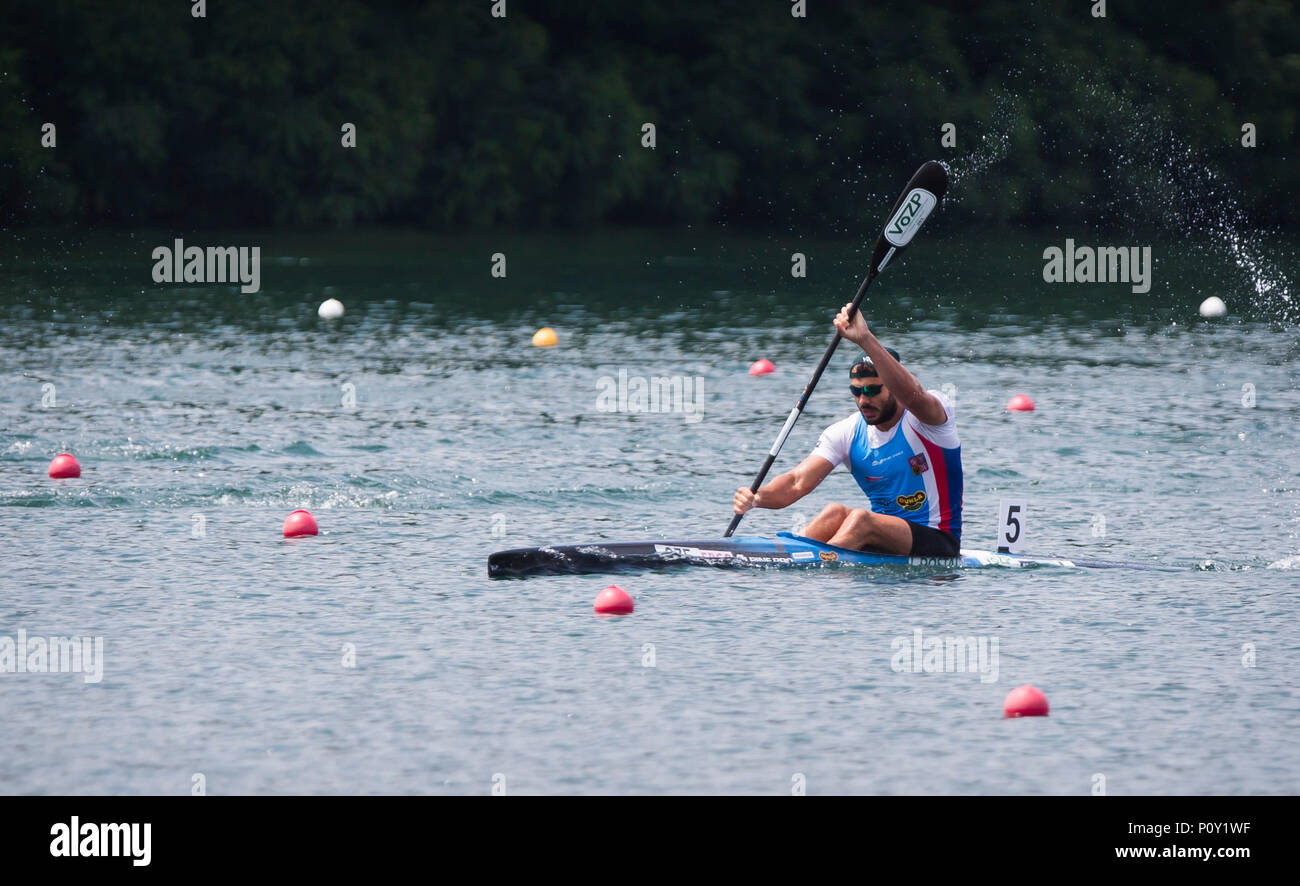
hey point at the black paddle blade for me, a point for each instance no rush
(918, 200)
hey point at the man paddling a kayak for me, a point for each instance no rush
(901, 445)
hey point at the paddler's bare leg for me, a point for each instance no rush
(861, 529)
(824, 526)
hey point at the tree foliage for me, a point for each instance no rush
(535, 119)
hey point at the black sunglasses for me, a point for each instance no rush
(869, 390)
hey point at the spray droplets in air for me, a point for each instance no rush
(1153, 175)
(1154, 167)
(991, 149)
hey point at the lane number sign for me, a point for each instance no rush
(1011, 525)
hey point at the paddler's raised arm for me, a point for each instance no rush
(786, 489)
(901, 383)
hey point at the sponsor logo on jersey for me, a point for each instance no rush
(919, 464)
(911, 502)
(828, 556)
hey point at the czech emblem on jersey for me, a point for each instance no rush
(919, 464)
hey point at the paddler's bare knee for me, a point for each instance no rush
(860, 524)
(835, 510)
(857, 518)
(826, 523)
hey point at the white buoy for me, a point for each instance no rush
(1213, 307)
(330, 309)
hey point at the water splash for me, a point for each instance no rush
(1157, 176)
(1153, 167)
(992, 148)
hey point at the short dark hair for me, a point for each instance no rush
(865, 368)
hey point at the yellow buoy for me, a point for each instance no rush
(545, 338)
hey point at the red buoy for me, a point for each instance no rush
(613, 601)
(1025, 701)
(300, 523)
(64, 466)
(762, 367)
(1020, 403)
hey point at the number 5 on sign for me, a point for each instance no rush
(1011, 525)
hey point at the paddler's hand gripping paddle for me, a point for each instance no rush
(918, 200)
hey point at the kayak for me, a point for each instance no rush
(785, 550)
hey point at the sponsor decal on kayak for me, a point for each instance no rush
(932, 561)
(911, 502)
(700, 553)
(828, 556)
(802, 555)
(988, 558)
(911, 214)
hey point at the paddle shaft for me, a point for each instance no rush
(803, 400)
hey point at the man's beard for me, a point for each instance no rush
(886, 412)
